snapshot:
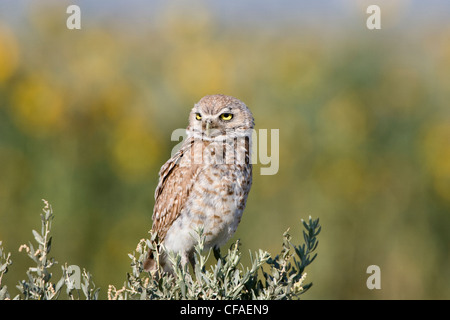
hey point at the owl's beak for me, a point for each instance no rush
(208, 125)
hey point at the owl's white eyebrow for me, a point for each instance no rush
(226, 110)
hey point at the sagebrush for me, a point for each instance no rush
(267, 278)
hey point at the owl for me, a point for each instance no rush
(206, 183)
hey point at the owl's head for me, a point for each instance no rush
(219, 116)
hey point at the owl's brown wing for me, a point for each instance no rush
(176, 179)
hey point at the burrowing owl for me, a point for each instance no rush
(206, 183)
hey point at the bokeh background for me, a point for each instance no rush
(364, 117)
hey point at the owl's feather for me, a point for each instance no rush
(173, 189)
(171, 194)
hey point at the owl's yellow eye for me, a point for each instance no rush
(198, 116)
(226, 116)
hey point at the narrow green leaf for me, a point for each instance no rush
(38, 237)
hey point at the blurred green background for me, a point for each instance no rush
(364, 118)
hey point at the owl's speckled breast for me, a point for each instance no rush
(216, 203)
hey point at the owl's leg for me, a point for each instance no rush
(187, 257)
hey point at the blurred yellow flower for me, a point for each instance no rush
(197, 71)
(343, 122)
(295, 67)
(343, 178)
(135, 150)
(395, 98)
(38, 105)
(436, 150)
